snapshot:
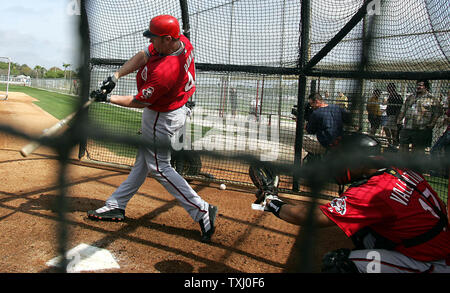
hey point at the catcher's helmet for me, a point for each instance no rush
(365, 152)
(163, 25)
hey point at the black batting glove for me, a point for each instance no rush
(99, 96)
(109, 84)
(274, 205)
(190, 104)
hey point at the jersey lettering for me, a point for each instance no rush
(427, 193)
(412, 177)
(188, 61)
(426, 207)
(144, 73)
(191, 81)
(401, 194)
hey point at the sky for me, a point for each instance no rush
(43, 32)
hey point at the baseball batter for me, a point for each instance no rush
(165, 81)
(394, 217)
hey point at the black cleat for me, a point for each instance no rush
(114, 215)
(206, 235)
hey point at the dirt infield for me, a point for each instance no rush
(158, 235)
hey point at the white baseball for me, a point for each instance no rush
(222, 186)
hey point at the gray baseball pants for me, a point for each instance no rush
(160, 127)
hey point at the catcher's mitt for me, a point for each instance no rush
(265, 180)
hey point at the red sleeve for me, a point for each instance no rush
(358, 207)
(152, 90)
(160, 79)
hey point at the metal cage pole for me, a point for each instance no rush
(305, 23)
(185, 18)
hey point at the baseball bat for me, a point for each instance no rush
(31, 147)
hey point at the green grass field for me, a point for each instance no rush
(114, 120)
(57, 105)
(440, 185)
(104, 116)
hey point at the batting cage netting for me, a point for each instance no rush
(256, 64)
(299, 89)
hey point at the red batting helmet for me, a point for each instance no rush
(163, 25)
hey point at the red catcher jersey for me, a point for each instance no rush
(394, 210)
(167, 82)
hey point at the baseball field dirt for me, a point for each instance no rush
(158, 236)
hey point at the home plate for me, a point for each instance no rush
(86, 258)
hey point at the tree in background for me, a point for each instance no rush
(54, 72)
(38, 71)
(25, 70)
(65, 65)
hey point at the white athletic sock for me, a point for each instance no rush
(104, 209)
(206, 221)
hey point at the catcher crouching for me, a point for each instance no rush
(395, 219)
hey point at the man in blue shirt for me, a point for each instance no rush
(326, 121)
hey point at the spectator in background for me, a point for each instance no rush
(233, 101)
(75, 89)
(420, 113)
(383, 106)
(342, 100)
(442, 145)
(374, 111)
(255, 108)
(394, 104)
(326, 121)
